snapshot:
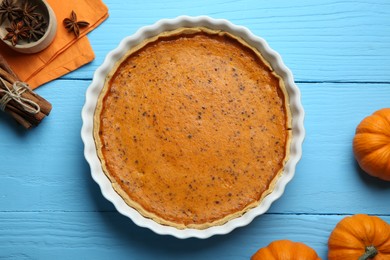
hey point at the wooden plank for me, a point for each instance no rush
(327, 40)
(328, 177)
(44, 169)
(101, 235)
(51, 208)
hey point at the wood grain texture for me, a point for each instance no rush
(327, 40)
(51, 206)
(336, 183)
(104, 235)
(340, 56)
(54, 175)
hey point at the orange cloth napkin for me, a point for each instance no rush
(66, 53)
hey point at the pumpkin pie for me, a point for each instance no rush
(193, 127)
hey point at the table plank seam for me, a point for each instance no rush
(268, 214)
(297, 81)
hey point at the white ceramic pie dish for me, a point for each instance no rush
(96, 86)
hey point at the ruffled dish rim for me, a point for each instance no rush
(93, 91)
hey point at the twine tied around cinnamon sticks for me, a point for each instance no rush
(18, 100)
(15, 93)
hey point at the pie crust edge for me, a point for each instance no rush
(96, 126)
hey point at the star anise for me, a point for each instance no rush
(72, 25)
(9, 10)
(41, 20)
(28, 14)
(34, 31)
(16, 31)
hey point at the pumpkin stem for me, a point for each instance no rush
(371, 252)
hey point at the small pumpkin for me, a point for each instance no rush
(371, 144)
(286, 250)
(360, 237)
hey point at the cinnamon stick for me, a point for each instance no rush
(6, 75)
(26, 124)
(4, 65)
(30, 95)
(16, 108)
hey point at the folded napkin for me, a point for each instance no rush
(66, 53)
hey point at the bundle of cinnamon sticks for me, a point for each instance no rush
(25, 106)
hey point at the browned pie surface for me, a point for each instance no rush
(193, 129)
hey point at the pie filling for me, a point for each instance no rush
(192, 127)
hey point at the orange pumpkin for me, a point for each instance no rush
(371, 144)
(286, 250)
(360, 237)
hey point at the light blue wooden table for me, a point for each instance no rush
(339, 53)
